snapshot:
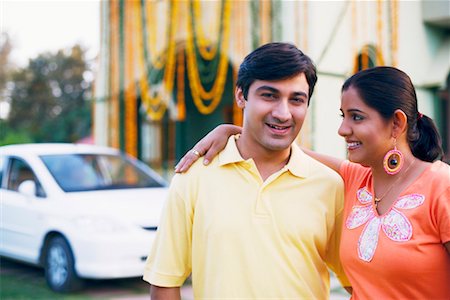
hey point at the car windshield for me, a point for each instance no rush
(87, 172)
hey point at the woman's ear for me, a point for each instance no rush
(400, 122)
(240, 99)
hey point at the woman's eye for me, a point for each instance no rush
(357, 118)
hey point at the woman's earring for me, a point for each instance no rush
(393, 161)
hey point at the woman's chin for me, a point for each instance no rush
(357, 161)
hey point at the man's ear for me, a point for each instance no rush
(240, 99)
(400, 122)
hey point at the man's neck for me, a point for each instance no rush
(267, 161)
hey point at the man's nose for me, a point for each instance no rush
(281, 111)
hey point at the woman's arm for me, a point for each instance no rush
(330, 161)
(216, 140)
(208, 146)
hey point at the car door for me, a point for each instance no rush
(21, 214)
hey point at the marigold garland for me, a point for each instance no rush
(206, 49)
(181, 106)
(113, 112)
(394, 33)
(151, 32)
(130, 89)
(207, 64)
(199, 94)
(156, 105)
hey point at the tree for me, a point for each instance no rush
(50, 98)
(7, 135)
(5, 50)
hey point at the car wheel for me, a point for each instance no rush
(59, 267)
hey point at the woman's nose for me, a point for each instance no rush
(344, 129)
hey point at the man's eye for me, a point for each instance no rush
(298, 100)
(268, 95)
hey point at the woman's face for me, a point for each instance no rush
(367, 134)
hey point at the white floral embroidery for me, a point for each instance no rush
(410, 201)
(359, 216)
(396, 226)
(364, 196)
(368, 240)
(394, 223)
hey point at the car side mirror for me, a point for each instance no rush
(28, 188)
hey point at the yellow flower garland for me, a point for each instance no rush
(156, 106)
(202, 42)
(153, 38)
(199, 94)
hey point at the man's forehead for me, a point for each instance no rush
(294, 84)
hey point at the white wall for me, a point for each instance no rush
(326, 119)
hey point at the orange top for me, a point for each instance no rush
(400, 254)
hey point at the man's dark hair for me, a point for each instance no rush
(275, 61)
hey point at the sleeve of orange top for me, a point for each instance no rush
(442, 211)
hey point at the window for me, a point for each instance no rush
(368, 57)
(2, 165)
(443, 118)
(88, 172)
(20, 171)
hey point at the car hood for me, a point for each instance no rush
(142, 206)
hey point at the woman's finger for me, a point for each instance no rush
(187, 160)
(208, 146)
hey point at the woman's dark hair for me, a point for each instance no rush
(275, 61)
(387, 89)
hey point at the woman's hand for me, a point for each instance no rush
(208, 146)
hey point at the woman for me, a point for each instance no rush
(396, 237)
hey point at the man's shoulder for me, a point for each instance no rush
(199, 170)
(200, 177)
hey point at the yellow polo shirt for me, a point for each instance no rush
(243, 238)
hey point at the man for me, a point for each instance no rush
(262, 220)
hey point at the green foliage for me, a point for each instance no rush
(50, 99)
(5, 50)
(9, 136)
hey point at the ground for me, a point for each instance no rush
(19, 281)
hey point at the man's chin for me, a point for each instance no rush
(279, 145)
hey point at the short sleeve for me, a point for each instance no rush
(333, 257)
(351, 173)
(344, 169)
(169, 262)
(442, 212)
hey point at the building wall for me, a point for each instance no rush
(332, 33)
(338, 30)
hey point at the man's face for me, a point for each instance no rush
(273, 113)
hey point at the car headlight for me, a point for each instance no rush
(99, 224)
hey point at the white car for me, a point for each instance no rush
(80, 211)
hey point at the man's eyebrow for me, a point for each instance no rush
(267, 87)
(301, 94)
(274, 90)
